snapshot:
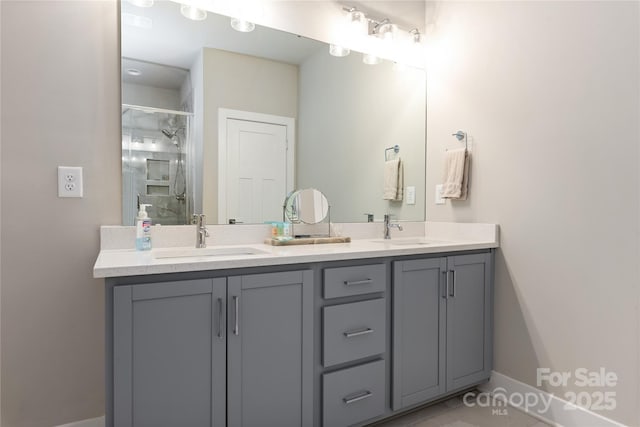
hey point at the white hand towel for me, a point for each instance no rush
(456, 174)
(393, 180)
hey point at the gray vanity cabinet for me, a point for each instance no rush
(169, 354)
(442, 326)
(270, 350)
(231, 351)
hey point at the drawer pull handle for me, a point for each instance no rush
(350, 400)
(357, 282)
(236, 330)
(357, 333)
(220, 318)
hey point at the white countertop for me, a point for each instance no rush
(129, 262)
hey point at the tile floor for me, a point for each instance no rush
(454, 413)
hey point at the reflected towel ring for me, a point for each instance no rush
(460, 135)
(395, 148)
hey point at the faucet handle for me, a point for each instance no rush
(369, 217)
(198, 219)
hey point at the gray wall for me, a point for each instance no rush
(60, 106)
(240, 82)
(550, 93)
(341, 150)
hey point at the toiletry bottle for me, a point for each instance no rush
(143, 229)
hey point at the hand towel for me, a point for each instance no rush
(393, 180)
(456, 174)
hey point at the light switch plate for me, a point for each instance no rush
(69, 181)
(439, 199)
(411, 195)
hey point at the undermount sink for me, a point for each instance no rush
(205, 252)
(406, 241)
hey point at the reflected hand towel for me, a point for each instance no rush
(393, 180)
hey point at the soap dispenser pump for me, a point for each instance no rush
(143, 229)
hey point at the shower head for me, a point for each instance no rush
(169, 134)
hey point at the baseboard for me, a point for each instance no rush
(93, 422)
(557, 412)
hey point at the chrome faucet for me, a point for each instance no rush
(388, 225)
(200, 220)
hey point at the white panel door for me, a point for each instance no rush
(256, 171)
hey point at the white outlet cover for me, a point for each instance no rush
(411, 195)
(69, 181)
(439, 199)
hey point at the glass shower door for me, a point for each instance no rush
(154, 164)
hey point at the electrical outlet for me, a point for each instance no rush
(411, 195)
(439, 190)
(69, 181)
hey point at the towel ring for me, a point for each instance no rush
(460, 135)
(395, 148)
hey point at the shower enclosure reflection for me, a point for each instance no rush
(154, 163)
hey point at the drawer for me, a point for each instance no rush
(346, 281)
(353, 395)
(353, 331)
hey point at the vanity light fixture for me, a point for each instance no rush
(358, 22)
(192, 12)
(142, 3)
(370, 59)
(416, 36)
(242, 25)
(338, 51)
(385, 30)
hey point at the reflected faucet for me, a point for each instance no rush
(388, 225)
(200, 220)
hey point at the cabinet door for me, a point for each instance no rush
(419, 314)
(270, 350)
(468, 320)
(169, 354)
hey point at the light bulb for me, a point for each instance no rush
(338, 51)
(193, 13)
(242, 25)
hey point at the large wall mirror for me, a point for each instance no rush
(227, 123)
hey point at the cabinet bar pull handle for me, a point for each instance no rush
(445, 284)
(452, 294)
(350, 400)
(235, 327)
(358, 332)
(357, 282)
(220, 318)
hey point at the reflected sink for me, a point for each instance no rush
(407, 241)
(205, 252)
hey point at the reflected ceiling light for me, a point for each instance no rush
(141, 3)
(338, 51)
(370, 59)
(242, 25)
(133, 72)
(193, 13)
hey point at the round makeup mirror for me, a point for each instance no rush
(308, 206)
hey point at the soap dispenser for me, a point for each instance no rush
(143, 229)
